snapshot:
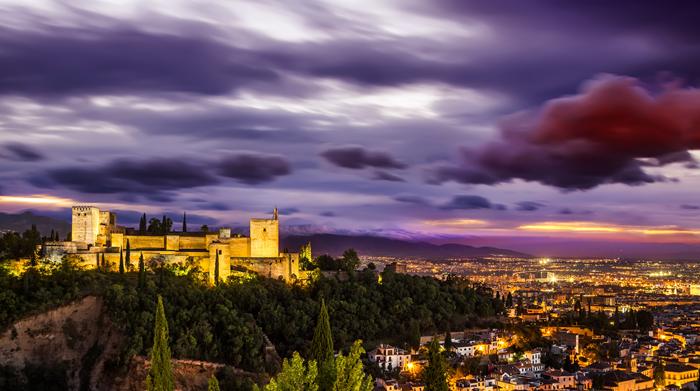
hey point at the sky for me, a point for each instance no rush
(531, 125)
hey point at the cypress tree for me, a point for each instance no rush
(213, 384)
(142, 272)
(128, 255)
(184, 221)
(322, 344)
(121, 262)
(216, 269)
(165, 224)
(448, 340)
(435, 374)
(322, 349)
(142, 224)
(160, 376)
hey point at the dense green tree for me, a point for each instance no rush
(142, 272)
(121, 262)
(155, 226)
(128, 255)
(659, 374)
(216, 269)
(350, 260)
(326, 262)
(509, 300)
(143, 224)
(16, 246)
(204, 228)
(322, 343)
(213, 384)
(166, 225)
(448, 340)
(349, 372)
(295, 376)
(322, 349)
(435, 373)
(305, 257)
(160, 376)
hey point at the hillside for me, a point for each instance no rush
(22, 221)
(379, 246)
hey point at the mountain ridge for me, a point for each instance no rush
(335, 244)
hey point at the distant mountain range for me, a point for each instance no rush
(21, 222)
(334, 244)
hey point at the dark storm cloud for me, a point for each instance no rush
(690, 207)
(220, 206)
(471, 202)
(627, 16)
(355, 157)
(587, 140)
(61, 61)
(529, 206)
(20, 152)
(254, 169)
(152, 178)
(386, 176)
(409, 199)
(288, 211)
(328, 214)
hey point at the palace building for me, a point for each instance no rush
(95, 235)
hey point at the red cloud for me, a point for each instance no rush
(595, 137)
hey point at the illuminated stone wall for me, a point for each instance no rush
(239, 247)
(285, 267)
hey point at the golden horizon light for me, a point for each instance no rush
(595, 228)
(37, 199)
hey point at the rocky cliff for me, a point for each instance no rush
(74, 347)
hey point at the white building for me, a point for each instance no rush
(535, 356)
(389, 357)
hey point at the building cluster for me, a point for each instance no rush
(97, 241)
(660, 360)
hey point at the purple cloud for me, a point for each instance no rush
(355, 157)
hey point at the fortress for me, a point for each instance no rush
(95, 235)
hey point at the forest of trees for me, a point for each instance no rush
(226, 323)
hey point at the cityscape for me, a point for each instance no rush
(326, 195)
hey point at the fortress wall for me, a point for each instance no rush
(284, 267)
(193, 242)
(264, 238)
(210, 237)
(172, 242)
(89, 261)
(239, 247)
(142, 241)
(118, 240)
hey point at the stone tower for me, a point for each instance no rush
(85, 224)
(265, 237)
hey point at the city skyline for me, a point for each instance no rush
(524, 126)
